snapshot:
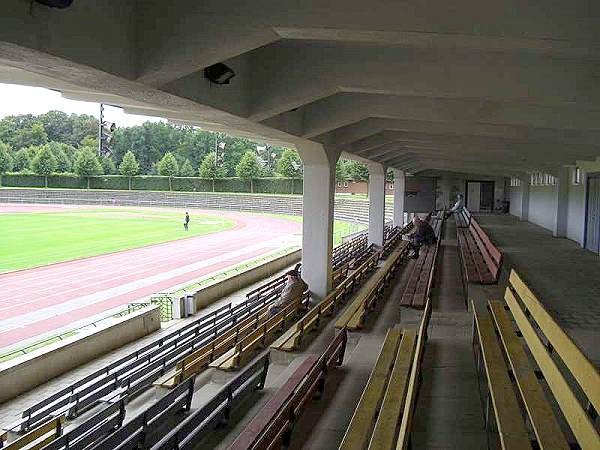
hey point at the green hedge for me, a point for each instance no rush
(67, 181)
(158, 183)
(113, 182)
(22, 180)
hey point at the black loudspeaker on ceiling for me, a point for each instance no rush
(56, 3)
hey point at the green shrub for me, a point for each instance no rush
(22, 180)
(114, 182)
(150, 183)
(232, 185)
(191, 184)
(70, 181)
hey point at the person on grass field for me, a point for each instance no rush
(292, 291)
(186, 222)
(422, 234)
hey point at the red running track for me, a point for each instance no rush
(37, 301)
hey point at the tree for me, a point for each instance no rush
(248, 168)
(210, 169)
(290, 164)
(108, 165)
(59, 150)
(44, 163)
(87, 164)
(129, 166)
(168, 167)
(341, 173)
(357, 171)
(22, 160)
(89, 141)
(186, 169)
(33, 135)
(5, 160)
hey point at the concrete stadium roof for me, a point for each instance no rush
(480, 86)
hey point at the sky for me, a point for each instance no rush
(15, 99)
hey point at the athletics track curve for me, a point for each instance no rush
(34, 302)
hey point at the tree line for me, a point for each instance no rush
(56, 142)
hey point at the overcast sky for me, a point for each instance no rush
(15, 99)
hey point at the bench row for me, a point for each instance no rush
(526, 396)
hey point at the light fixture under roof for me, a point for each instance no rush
(219, 73)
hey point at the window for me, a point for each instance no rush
(514, 182)
(577, 175)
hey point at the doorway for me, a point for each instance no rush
(480, 196)
(592, 213)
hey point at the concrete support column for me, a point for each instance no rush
(524, 198)
(376, 203)
(561, 202)
(317, 222)
(399, 190)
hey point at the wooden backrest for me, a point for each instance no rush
(521, 301)
(40, 436)
(413, 381)
(487, 244)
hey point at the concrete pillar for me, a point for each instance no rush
(399, 190)
(317, 222)
(561, 202)
(376, 203)
(524, 198)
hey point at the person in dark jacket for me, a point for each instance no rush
(422, 234)
(186, 221)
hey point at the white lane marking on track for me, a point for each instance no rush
(62, 308)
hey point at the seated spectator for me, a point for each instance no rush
(458, 206)
(422, 234)
(292, 291)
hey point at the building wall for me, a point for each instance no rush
(576, 212)
(541, 206)
(515, 193)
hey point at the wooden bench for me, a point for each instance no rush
(189, 431)
(420, 282)
(463, 218)
(338, 275)
(384, 413)
(366, 297)
(272, 426)
(523, 389)
(38, 437)
(133, 373)
(95, 428)
(143, 430)
(260, 337)
(481, 260)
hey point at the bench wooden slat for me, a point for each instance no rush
(580, 423)
(362, 422)
(384, 434)
(53, 426)
(581, 367)
(511, 427)
(413, 381)
(544, 424)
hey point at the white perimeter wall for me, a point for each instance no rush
(541, 203)
(514, 197)
(541, 206)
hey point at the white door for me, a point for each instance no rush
(473, 196)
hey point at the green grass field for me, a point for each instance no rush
(39, 238)
(35, 239)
